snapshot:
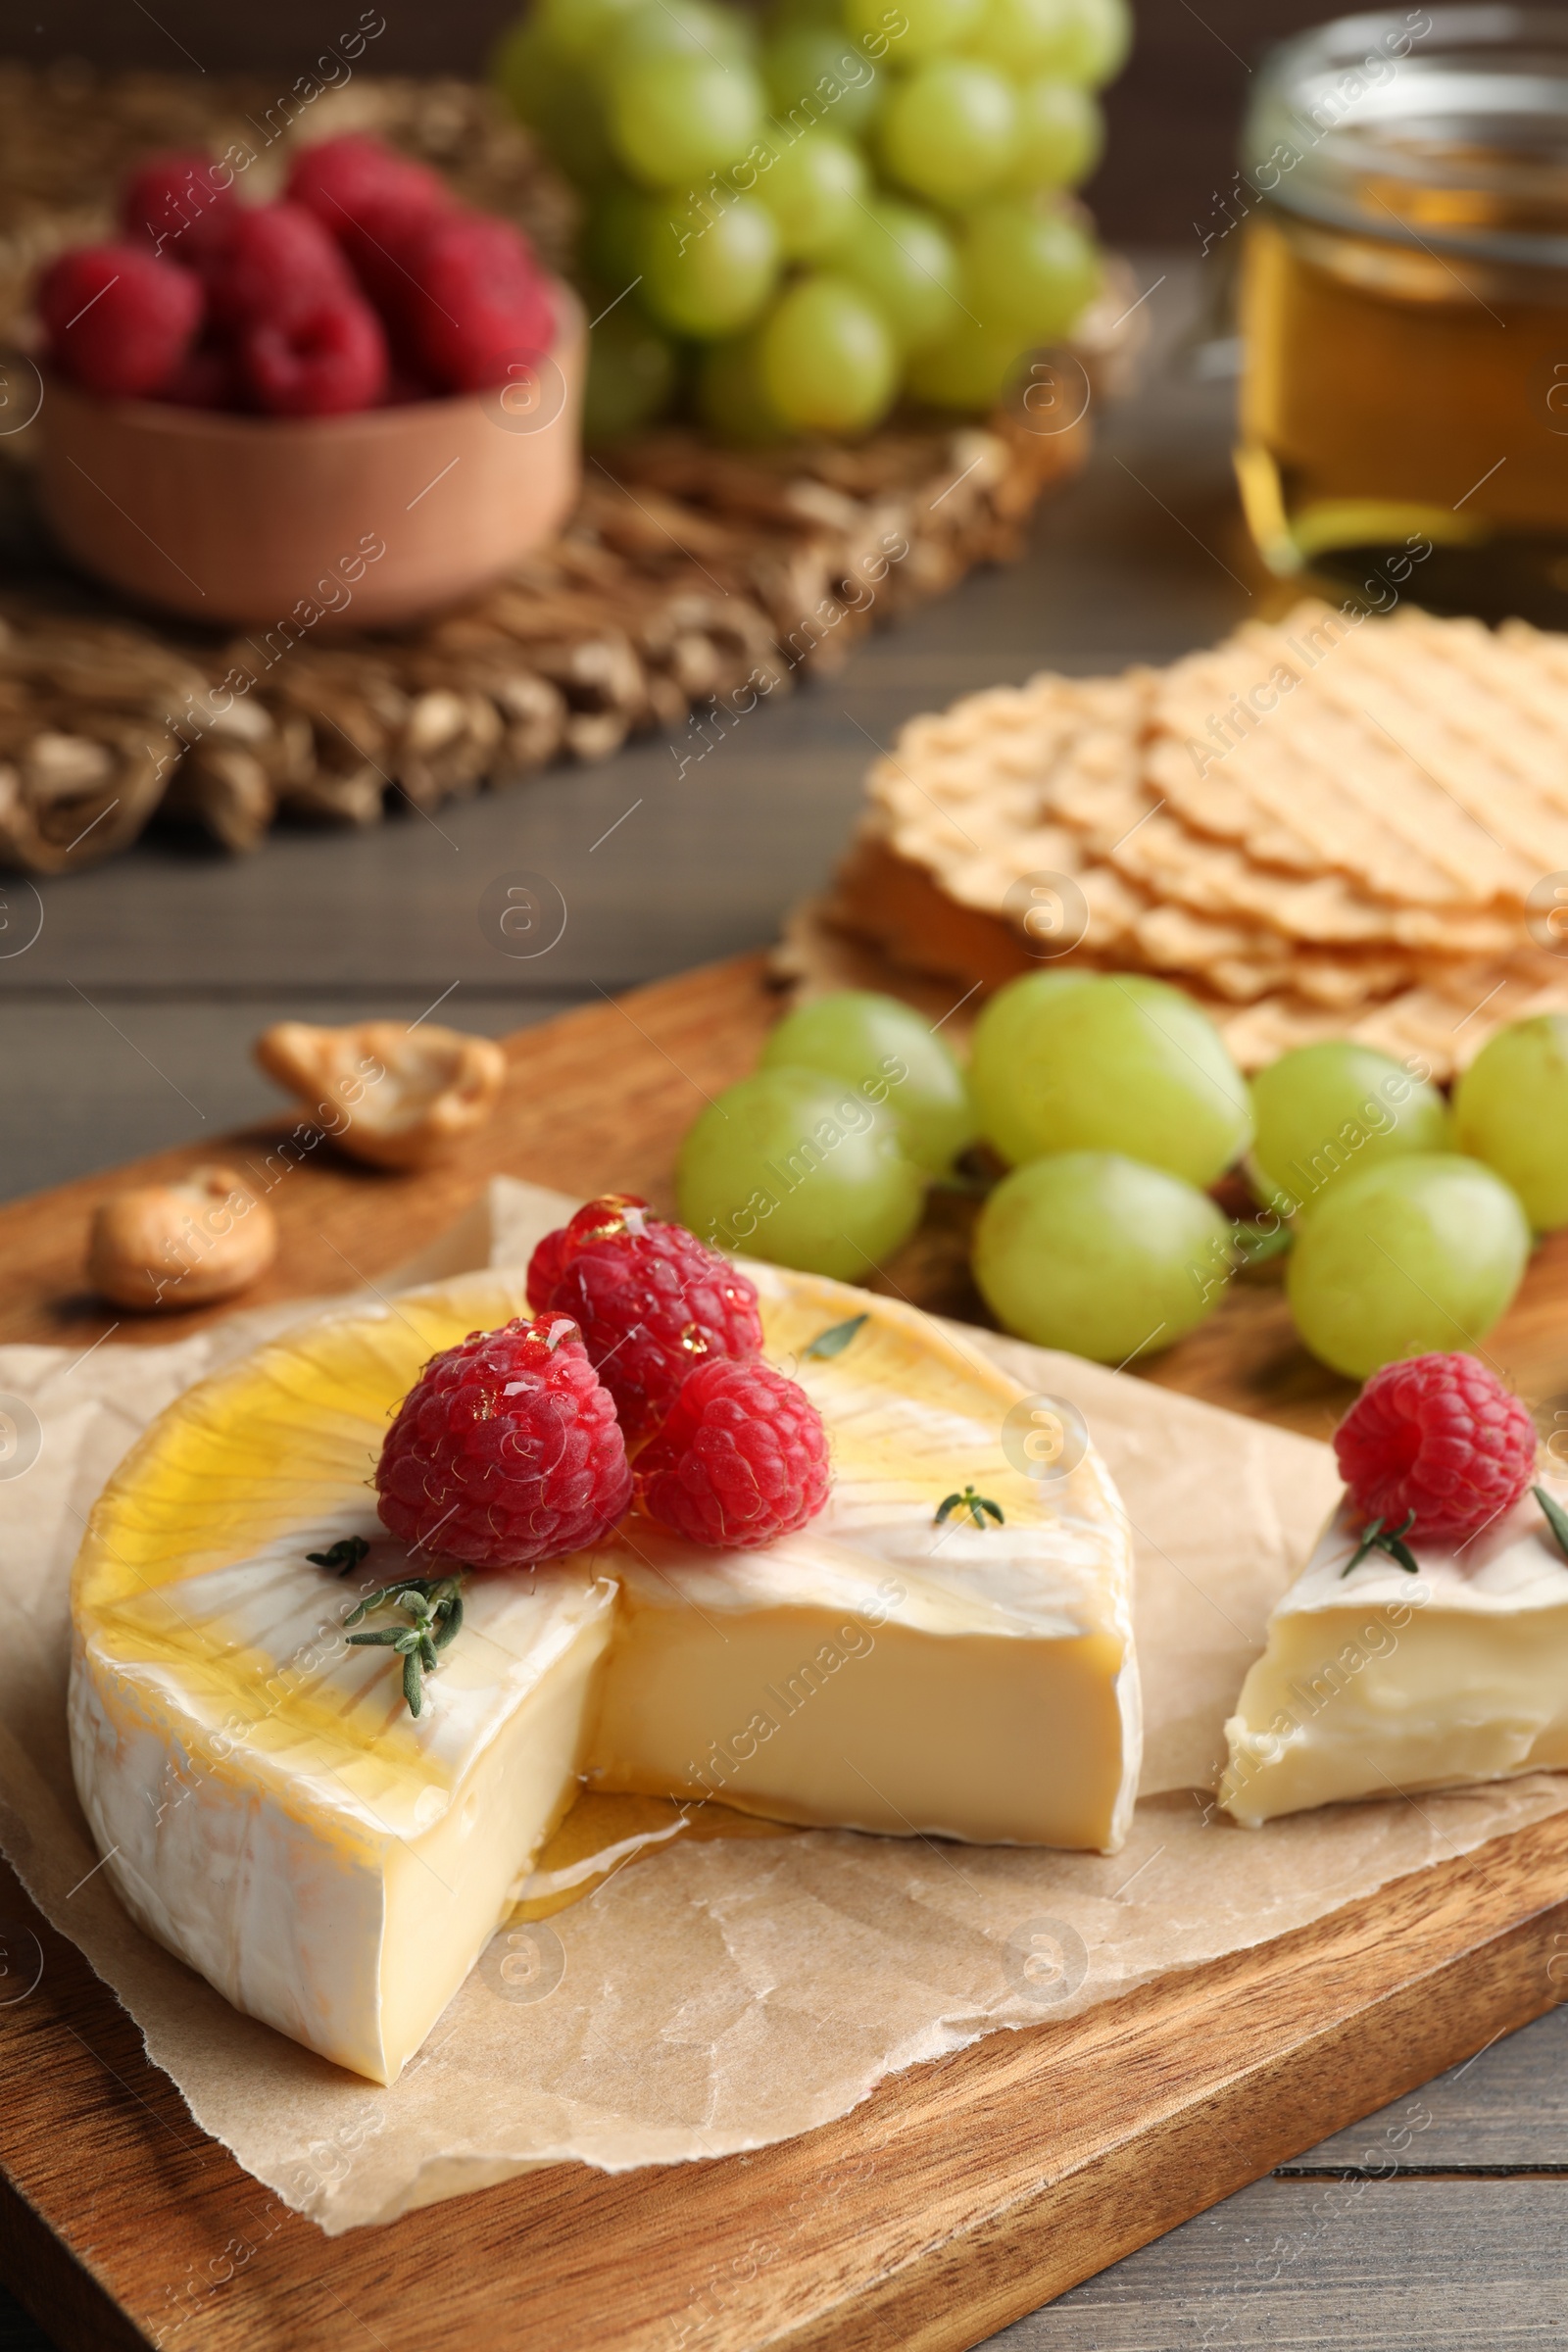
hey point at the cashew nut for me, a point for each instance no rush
(171, 1246)
(396, 1097)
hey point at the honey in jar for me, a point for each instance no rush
(1405, 304)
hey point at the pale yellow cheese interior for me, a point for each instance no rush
(815, 1688)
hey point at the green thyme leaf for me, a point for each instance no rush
(833, 1341)
(969, 1505)
(1369, 1536)
(1556, 1516)
(1377, 1536)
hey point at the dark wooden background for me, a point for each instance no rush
(127, 1028)
(1173, 116)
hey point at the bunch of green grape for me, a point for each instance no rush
(805, 213)
(1112, 1105)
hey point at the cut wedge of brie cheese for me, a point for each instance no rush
(270, 1810)
(1375, 1683)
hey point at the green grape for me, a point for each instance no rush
(1025, 36)
(674, 118)
(711, 279)
(795, 1166)
(1073, 1062)
(813, 188)
(631, 374)
(965, 369)
(928, 28)
(892, 1055)
(1060, 135)
(827, 359)
(816, 74)
(730, 396)
(1027, 272)
(1097, 46)
(558, 102)
(1510, 1108)
(1328, 1110)
(904, 259)
(677, 28)
(788, 16)
(1082, 41)
(950, 130)
(1409, 1257)
(575, 30)
(1101, 1255)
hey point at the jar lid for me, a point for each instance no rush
(1443, 127)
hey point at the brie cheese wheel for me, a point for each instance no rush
(269, 1809)
(1376, 1683)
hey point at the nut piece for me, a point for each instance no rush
(396, 1097)
(173, 1246)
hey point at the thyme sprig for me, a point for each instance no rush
(433, 1608)
(969, 1505)
(1377, 1536)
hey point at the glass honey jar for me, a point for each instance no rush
(1404, 304)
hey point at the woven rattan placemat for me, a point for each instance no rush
(690, 576)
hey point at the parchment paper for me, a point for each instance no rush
(716, 1998)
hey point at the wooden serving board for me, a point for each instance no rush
(963, 2193)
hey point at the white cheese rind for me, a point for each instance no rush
(335, 1878)
(1376, 1683)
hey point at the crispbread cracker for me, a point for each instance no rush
(1401, 754)
(1329, 826)
(1125, 820)
(970, 796)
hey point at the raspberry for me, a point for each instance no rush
(475, 301)
(277, 262)
(545, 1268)
(118, 320)
(326, 362)
(506, 1450)
(375, 202)
(612, 1217)
(1439, 1436)
(741, 1459)
(205, 378)
(649, 1299)
(176, 202)
(343, 178)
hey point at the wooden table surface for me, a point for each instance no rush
(123, 1028)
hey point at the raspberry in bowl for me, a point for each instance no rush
(350, 407)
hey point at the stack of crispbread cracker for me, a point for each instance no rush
(1330, 826)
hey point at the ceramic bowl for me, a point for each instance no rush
(333, 522)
